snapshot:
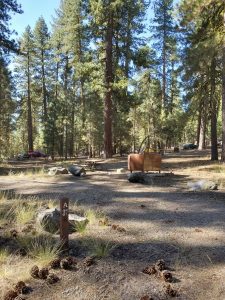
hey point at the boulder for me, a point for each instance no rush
(57, 171)
(137, 177)
(49, 219)
(121, 170)
(202, 185)
(77, 220)
(76, 170)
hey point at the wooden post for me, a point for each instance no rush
(64, 223)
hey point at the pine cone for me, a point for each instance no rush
(71, 260)
(19, 298)
(10, 295)
(142, 206)
(150, 270)
(160, 265)
(146, 297)
(167, 276)
(104, 222)
(43, 273)
(19, 286)
(14, 233)
(65, 264)
(170, 291)
(88, 261)
(121, 229)
(55, 263)
(34, 272)
(52, 278)
(114, 226)
(22, 252)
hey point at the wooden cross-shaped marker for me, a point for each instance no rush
(64, 223)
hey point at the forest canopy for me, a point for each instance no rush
(106, 75)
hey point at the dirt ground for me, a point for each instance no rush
(163, 220)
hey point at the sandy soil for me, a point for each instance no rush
(163, 220)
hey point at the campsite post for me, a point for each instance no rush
(64, 223)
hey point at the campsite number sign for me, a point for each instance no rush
(64, 222)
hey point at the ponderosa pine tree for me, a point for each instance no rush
(7, 7)
(26, 60)
(41, 57)
(113, 25)
(164, 42)
(204, 20)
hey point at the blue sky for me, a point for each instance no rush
(33, 9)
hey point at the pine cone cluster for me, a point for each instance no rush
(159, 269)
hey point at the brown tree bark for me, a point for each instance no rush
(44, 93)
(201, 144)
(29, 108)
(66, 104)
(108, 94)
(223, 98)
(213, 112)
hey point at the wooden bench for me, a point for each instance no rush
(145, 162)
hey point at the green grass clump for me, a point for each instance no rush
(6, 195)
(24, 214)
(100, 248)
(93, 216)
(4, 255)
(81, 227)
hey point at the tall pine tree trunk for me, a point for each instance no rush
(223, 98)
(213, 112)
(201, 144)
(66, 104)
(44, 94)
(108, 93)
(164, 65)
(199, 126)
(29, 108)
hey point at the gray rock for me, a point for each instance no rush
(57, 171)
(76, 220)
(49, 219)
(121, 170)
(137, 177)
(202, 185)
(76, 170)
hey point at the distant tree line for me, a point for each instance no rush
(105, 77)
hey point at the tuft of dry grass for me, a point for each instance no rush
(44, 249)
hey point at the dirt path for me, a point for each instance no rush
(162, 220)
